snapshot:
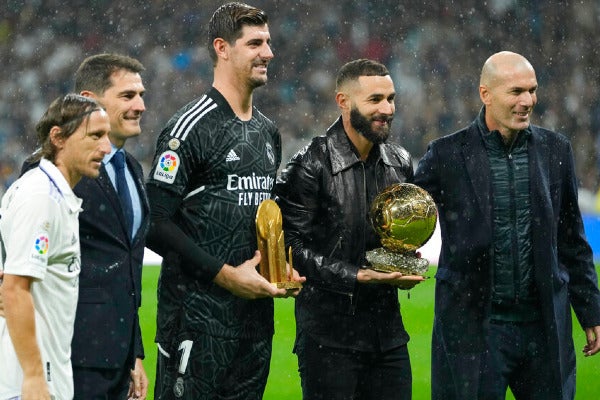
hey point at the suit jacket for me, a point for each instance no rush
(455, 170)
(107, 330)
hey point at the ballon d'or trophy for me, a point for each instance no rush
(272, 246)
(404, 217)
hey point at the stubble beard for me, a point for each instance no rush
(254, 83)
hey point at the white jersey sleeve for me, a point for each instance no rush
(26, 231)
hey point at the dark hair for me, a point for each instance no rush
(228, 21)
(68, 113)
(95, 71)
(362, 67)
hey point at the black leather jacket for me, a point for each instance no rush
(323, 197)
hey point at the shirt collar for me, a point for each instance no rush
(60, 183)
(109, 156)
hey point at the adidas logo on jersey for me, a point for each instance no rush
(231, 156)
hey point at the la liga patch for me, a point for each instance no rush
(40, 248)
(167, 167)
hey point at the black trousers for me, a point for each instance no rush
(329, 373)
(519, 359)
(101, 384)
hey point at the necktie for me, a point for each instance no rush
(118, 162)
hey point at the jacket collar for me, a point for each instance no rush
(483, 129)
(342, 155)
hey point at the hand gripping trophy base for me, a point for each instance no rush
(383, 260)
(290, 285)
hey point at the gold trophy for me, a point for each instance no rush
(272, 246)
(404, 217)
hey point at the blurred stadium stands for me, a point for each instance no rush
(434, 51)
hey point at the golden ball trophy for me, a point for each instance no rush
(271, 244)
(404, 216)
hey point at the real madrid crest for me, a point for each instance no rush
(174, 144)
(178, 387)
(270, 154)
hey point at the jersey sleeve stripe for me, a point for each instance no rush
(198, 118)
(194, 192)
(184, 119)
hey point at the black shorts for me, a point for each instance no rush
(198, 366)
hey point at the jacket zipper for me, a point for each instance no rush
(349, 294)
(335, 247)
(513, 217)
(364, 202)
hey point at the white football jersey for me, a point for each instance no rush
(39, 231)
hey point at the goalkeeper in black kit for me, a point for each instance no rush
(216, 160)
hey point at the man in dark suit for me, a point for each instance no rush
(107, 343)
(514, 256)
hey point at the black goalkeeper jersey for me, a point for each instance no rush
(222, 168)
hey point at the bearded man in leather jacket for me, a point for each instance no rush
(350, 339)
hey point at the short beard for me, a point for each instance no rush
(363, 126)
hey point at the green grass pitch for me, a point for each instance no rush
(417, 311)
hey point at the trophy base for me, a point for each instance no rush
(289, 285)
(383, 260)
